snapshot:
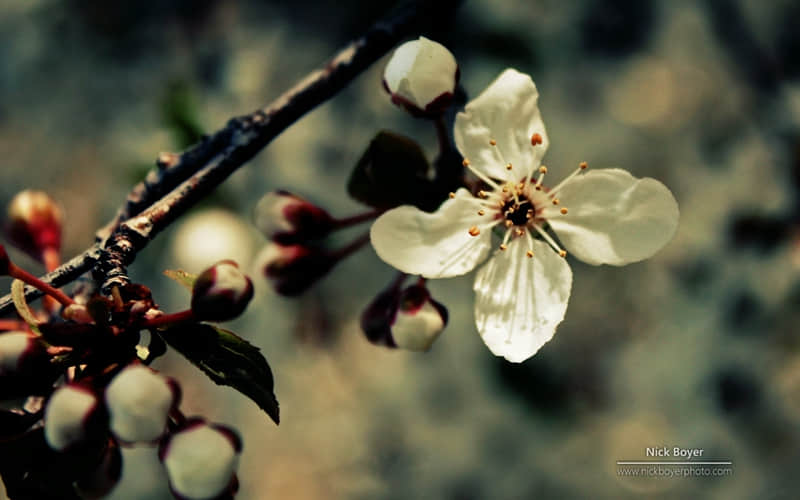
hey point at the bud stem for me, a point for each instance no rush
(168, 319)
(51, 258)
(351, 248)
(356, 219)
(441, 134)
(8, 325)
(17, 272)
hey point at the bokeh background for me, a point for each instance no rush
(696, 347)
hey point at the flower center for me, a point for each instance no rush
(523, 208)
(518, 211)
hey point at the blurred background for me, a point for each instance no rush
(696, 347)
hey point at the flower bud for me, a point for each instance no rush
(410, 319)
(221, 292)
(421, 76)
(70, 416)
(287, 218)
(201, 460)
(21, 353)
(34, 223)
(139, 401)
(293, 269)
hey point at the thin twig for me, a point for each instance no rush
(180, 181)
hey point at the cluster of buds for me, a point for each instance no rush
(139, 405)
(296, 257)
(109, 398)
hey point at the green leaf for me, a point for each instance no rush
(393, 171)
(227, 359)
(18, 296)
(182, 277)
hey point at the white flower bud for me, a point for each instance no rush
(221, 292)
(292, 269)
(34, 222)
(139, 401)
(201, 460)
(68, 415)
(421, 76)
(408, 319)
(287, 218)
(19, 350)
(419, 320)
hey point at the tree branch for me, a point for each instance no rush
(180, 181)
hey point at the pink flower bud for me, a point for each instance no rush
(139, 401)
(21, 353)
(34, 223)
(292, 269)
(221, 292)
(69, 417)
(421, 76)
(410, 319)
(287, 218)
(201, 460)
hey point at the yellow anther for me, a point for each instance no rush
(555, 201)
(536, 139)
(509, 223)
(474, 231)
(583, 165)
(505, 189)
(503, 247)
(509, 167)
(562, 253)
(529, 253)
(542, 169)
(452, 195)
(481, 212)
(519, 232)
(564, 211)
(492, 142)
(465, 162)
(483, 194)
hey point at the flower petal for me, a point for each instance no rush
(436, 245)
(615, 218)
(505, 112)
(520, 300)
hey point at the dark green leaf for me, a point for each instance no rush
(227, 359)
(392, 172)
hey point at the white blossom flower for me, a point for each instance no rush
(421, 76)
(604, 216)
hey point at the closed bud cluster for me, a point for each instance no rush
(139, 401)
(71, 417)
(221, 292)
(201, 460)
(34, 223)
(292, 269)
(421, 76)
(409, 319)
(286, 218)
